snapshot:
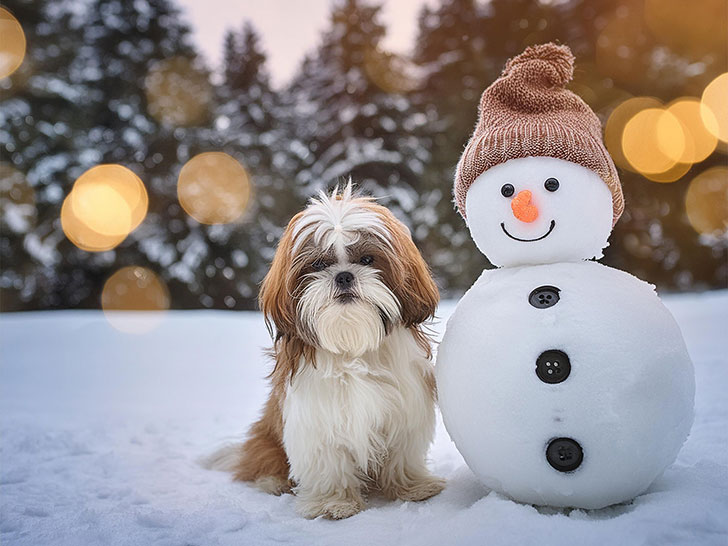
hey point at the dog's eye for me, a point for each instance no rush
(366, 260)
(319, 265)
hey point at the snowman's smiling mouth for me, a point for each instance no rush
(551, 228)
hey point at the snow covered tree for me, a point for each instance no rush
(249, 124)
(245, 127)
(347, 121)
(41, 111)
(124, 44)
(84, 102)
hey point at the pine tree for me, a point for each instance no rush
(97, 66)
(123, 43)
(348, 120)
(40, 112)
(245, 127)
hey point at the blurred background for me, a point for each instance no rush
(152, 151)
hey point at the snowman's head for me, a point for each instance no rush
(537, 210)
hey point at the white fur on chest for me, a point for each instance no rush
(359, 408)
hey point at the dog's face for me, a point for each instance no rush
(346, 271)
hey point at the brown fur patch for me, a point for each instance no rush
(407, 275)
(263, 453)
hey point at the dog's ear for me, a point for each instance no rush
(275, 298)
(416, 290)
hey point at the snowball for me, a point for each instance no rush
(625, 396)
(580, 209)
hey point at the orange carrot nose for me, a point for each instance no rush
(522, 207)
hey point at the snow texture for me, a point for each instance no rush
(101, 433)
(602, 364)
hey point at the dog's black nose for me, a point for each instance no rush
(344, 279)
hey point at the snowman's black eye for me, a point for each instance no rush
(507, 190)
(551, 184)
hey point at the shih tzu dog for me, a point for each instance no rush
(352, 403)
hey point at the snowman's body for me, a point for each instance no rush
(615, 384)
(561, 381)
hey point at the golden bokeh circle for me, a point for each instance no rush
(674, 173)
(699, 141)
(213, 188)
(12, 43)
(178, 92)
(107, 203)
(134, 288)
(615, 126)
(17, 199)
(110, 199)
(706, 202)
(714, 107)
(81, 235)
(653, 141)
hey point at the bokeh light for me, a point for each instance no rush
(134, 288)
(699, 141)
(676, 172)
(213, 188)
(12, 43)
(178, 92)
(390, 72)
(653, 141)
(17, 200)
(106, 204)
(615, 126)
(706, 202)
(80, 235)
(714, 107)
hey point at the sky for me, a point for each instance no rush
(288, 28)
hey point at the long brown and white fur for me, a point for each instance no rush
(352, 400)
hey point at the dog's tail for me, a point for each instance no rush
(225, 459)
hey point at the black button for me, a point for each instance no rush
(564, 454)
(553, 366)
(544, 297)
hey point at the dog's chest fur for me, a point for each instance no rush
(360, 406)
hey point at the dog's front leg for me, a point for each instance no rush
(406, 477)
(404, 474)
(328, 481)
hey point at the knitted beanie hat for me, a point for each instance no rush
(529, 112)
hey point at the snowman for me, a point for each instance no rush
(562, 382)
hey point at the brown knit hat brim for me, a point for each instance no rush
(527, 112)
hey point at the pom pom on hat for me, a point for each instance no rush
(529, 112)
(553, 62)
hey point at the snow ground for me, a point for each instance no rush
(100, 432)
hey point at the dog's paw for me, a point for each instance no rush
(273, 485)
(331, 507)
(419, 490)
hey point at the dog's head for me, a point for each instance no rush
(346, 271)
